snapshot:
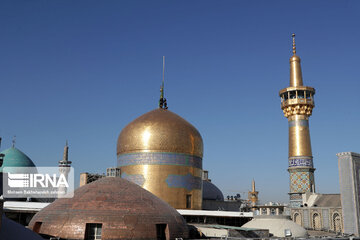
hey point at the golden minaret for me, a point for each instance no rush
(253, 194)
(297, 103)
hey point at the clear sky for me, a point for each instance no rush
(82, 70)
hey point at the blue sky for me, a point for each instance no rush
(82, 70)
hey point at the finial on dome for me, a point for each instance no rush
(162, 101)
(14, 141)
(293, 44)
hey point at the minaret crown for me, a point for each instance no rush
(296, 99)
(295, 67)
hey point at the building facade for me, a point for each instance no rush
(349, 174)
(321, 212)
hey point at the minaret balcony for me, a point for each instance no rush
(297, 101)
(300, 95)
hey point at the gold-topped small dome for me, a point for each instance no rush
(160, 130)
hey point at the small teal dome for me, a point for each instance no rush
(15, 158)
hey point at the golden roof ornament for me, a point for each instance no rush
(294, 46)
(295, 67)
(162, 101)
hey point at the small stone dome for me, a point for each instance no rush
(15, 158)
(211, 192)
(112, 208)
(277, 225)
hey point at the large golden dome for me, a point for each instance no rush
(160, 130)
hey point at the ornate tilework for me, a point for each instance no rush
(295, 196)
(159, 158)
(295, 203)
(301, 162)
(188, 181)
(300, 181)
(135, 178)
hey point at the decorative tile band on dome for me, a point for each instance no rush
(159, 158)
(135, 178)
(188, 181)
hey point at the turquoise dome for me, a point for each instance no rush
(15, 158)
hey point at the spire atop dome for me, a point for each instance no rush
(162, 101)
(13, 141)
(295, 67)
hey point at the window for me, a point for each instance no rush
(337, 222)
(285, 96)
(301, 94)
(297, 218)
(292, 94)
(188, 201)
(316, 221)
(308, 95)
(160, 231)
(93, 231)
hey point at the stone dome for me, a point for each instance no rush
(15, 158)
(160, 130)
(115, 209)
(211, 191)
(277, 225)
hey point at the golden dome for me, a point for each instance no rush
(160, 130)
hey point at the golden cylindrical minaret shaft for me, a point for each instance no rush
(299, 136)
(297, 102)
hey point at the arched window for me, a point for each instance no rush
(336, 219)
(297, 218)
(316, 221)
